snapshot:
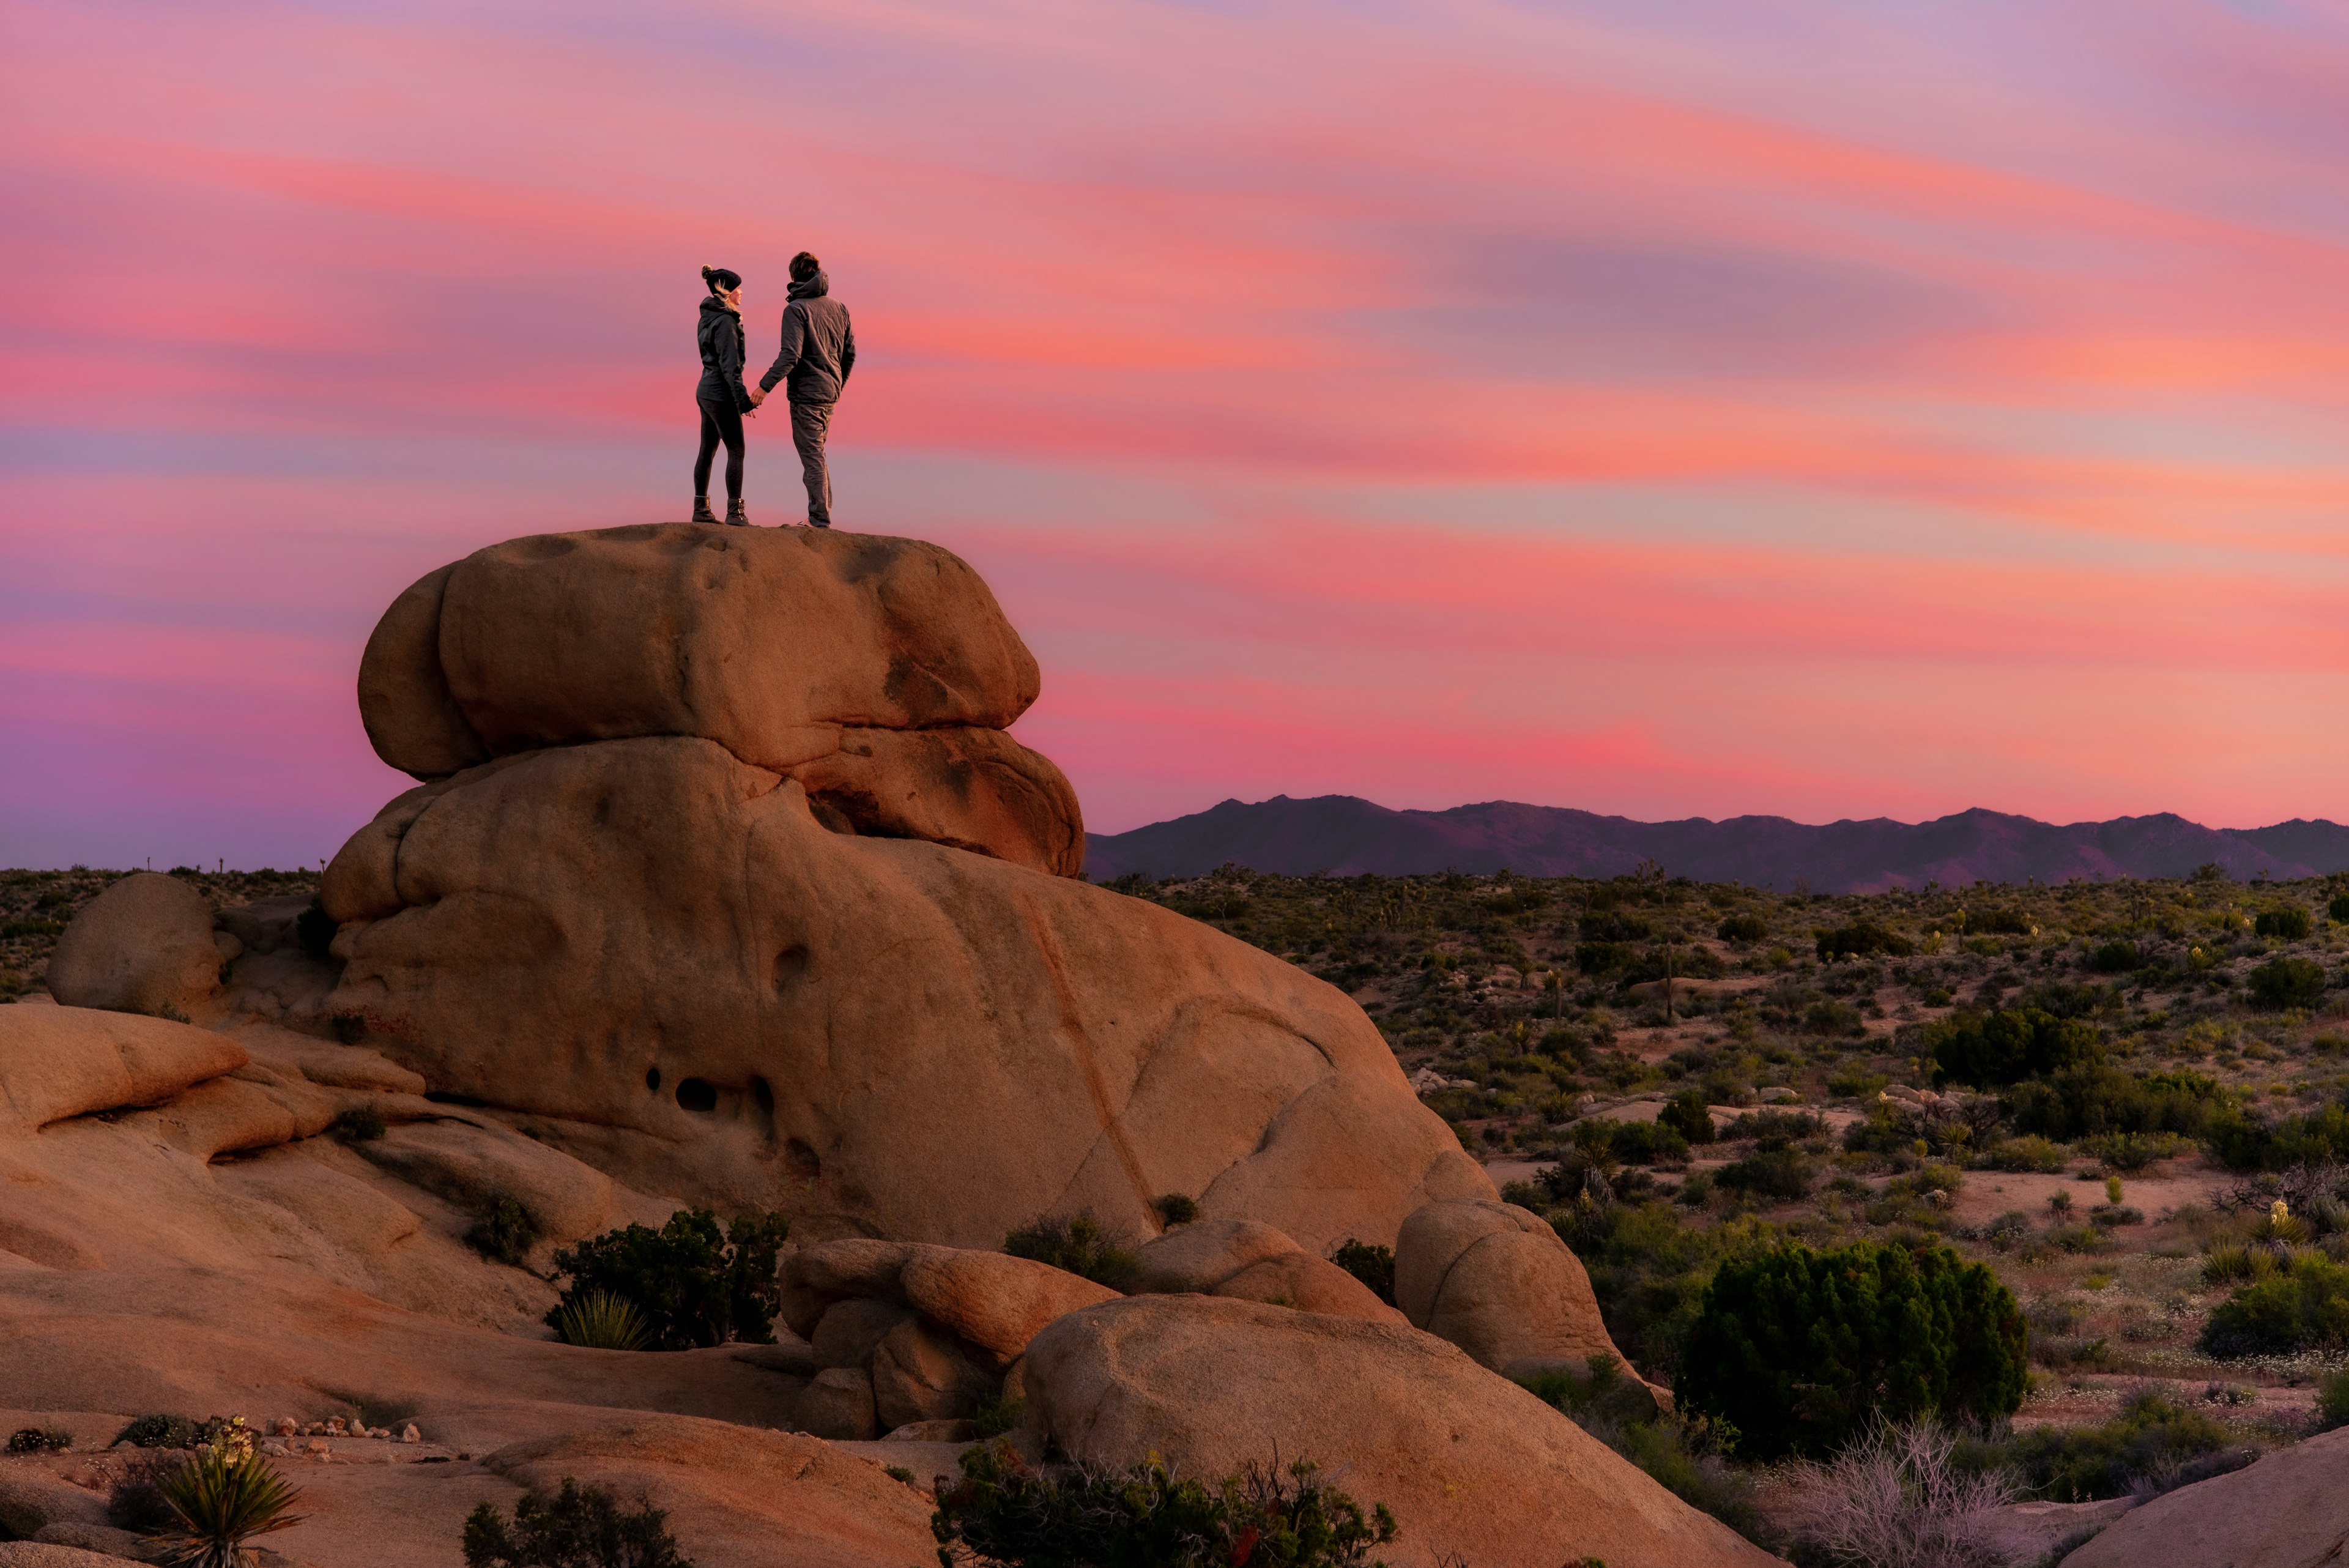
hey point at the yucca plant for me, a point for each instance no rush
(2227, 1264)
(601, 1320)
(224, 1499)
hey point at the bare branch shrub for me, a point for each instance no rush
(1895, 1499)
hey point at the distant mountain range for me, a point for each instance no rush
(1343, 835)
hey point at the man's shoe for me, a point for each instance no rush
(702, 511)
(735, 517)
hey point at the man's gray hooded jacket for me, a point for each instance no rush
(819, 350)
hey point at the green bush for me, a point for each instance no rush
(1175, 1209)
(160, 1431)
(2333, 1401)
(504, 1233)
(359, 1124)
(2029, 1152)
(2093, 1098)
(220, 1501)
(39, 1440)
(1078, 1245)
(1374, 1266)
(2154, 1444)
(2287, 982)
(1862, 939)
(579, 1527)
(599, 1320)
(694, 1285)
(1645, 1142)
(2288, 921)
(1679, 1453)
(2314, 1138)
(2339, 908)
(2132, 1151)
(2304, 1308)
(2008, 1045)
(2115, 957)
(1799, 1351)
(1005, 1515)
(1782, 1174)
(136, 1500)
(1686, 1114)
(1750, 928)
(1649, 1271)
(313, 930)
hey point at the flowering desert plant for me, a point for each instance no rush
(221, 1499)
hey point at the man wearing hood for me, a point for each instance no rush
(818, 352)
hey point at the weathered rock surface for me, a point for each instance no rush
(1470, 1463)
(2284, 1511)
(62, 1062)
(1251, 1262)
(144, 945)
(1495, 1279)
(723, 999)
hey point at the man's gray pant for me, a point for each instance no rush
(810, 423)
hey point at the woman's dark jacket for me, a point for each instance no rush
(722, 348)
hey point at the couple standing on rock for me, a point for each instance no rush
(818, 352)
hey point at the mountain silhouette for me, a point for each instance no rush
(1344, 835)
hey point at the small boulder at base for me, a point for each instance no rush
(1495, 1279)
(1470, 1464)
(144, 945)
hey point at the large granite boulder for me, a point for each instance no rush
(655, 949)
(1474, 1467)
(1495, 1279)
(880, 672)
(144, 945)
(57, 1062)
(2287, 1509)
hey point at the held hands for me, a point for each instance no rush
(758, 396)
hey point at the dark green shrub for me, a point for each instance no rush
(1603, 958)
(1744, 929)
(1862, 939)
(160, 1431)
(1615, 925)
(1830, 1017)
(2093, 1098)
(136, 1500)
(2007, 1046)
(999, 1415)
(2339, 908)
(2287, 922)
(1005, 1515)
(504, 1233)
(580, 1527)
(2304, 1309)
(1781, 1174)
(1649, 1269)
(1175, 1209)
(1999, 922)
(1645, 1142)
(1679, 1453)
(2333, 1401)
(694, 1285)
(2316, 1138)
(313, 930)
(2030, 1152)
(1078, 1245)
(1687, 1115)
(359, 1124)
(2154, 1444)
(1374, 1266)
(2288, 982)
(220, 1500)
(1800, 1351)
(39, 1440)
(2115, 957)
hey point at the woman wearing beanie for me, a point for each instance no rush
(723, 398)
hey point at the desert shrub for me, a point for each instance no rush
(1753, 929)
(1005, 1515)
(1783, 1173)
(2095, 1097)
(2132, 1151)
(1996, 921)
(1645, 1142)
(136, 1500)
(220, 1499)
(2287, 982)
(2029, 1152)
(2008, 1045)
(2333, 1401)
(160, 1431)
(1828, 1017)
(1686, 1114)
(39, 1440)
(504, 1233)
(2288, 921)
(2115, 957)
(579, 1527)
(2305, 1307)
(1080, 1245)
(2153, 1444)
(1615, 925)
(1800, 1351)
(2312, 1141)
(999, 1415)
(2339, 908)
(2008, 1229)
(1175, 1209)
(1775, 1126)
(1861, 939)
(1896, 1498)
(1373, 1265)
(1857, 1083)
(1649, 1271)
(313, 930)
(694, 1285)
(1679, 1453)
(359, 1123)
(2237, 1262)
(600, 1320)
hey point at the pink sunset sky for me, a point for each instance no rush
(1824, 409)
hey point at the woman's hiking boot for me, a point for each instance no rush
(702, 511)
(735, 517)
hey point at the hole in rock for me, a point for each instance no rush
(790, 964)
(697, 1095)
(765, 1095)
(804, 1162)
(652, 1079)
(445, 1098)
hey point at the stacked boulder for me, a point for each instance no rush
(725, 873)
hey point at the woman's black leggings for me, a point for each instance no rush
(719, 421)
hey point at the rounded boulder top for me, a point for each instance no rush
(767, 641)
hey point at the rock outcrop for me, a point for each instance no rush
(147, 944)
(1248, 1260)
(1470, 1463)
(879, 672)
(2287, 1509)
(1495, 1279)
